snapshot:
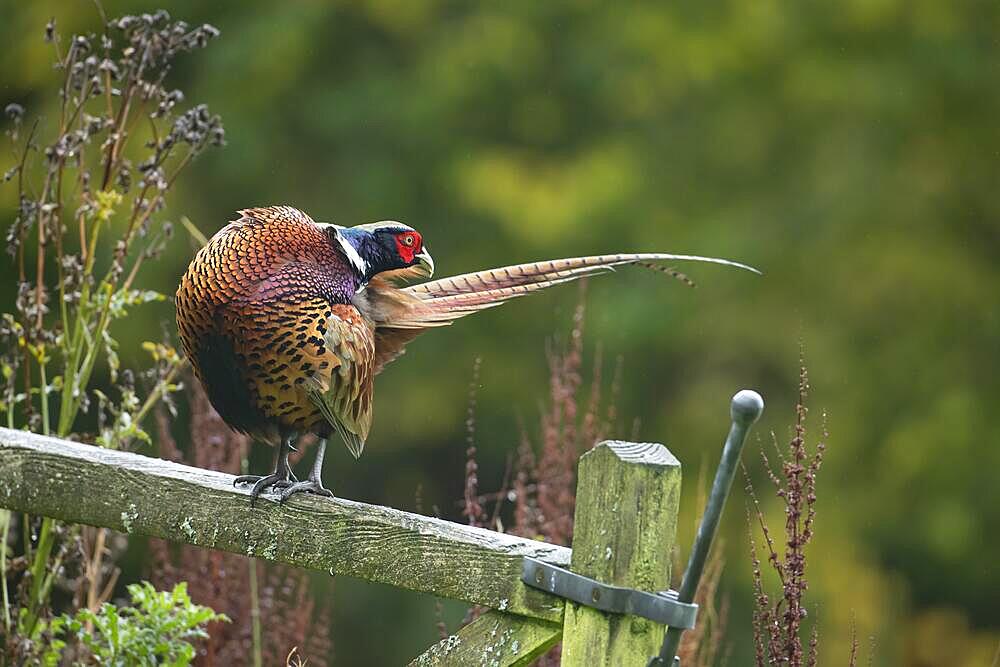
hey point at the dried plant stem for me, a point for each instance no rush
(778, 625)
(94, 570)
(852, 660)
(40, 260)
(97, 593)
(159, 391)
(109, 587)
(3, 569)
(255, 634)
(136, 59)
(60, 275)
(28, 143)
(119, 126)
(255, 614)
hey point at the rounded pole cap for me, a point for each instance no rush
(746, 407)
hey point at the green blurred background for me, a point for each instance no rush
(850, 150)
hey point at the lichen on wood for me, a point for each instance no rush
(626, 520)
(140, 495)
(495, 639)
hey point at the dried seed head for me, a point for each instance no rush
(14, 111)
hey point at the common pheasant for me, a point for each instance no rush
(287, 321)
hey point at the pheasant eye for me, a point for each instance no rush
(408, 240)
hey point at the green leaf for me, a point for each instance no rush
(154, 629)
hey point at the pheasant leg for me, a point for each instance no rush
(314, 483)
(281, 478)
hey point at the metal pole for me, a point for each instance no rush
(745, 409)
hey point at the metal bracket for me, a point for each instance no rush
(662, 607)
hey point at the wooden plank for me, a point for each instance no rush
(146, 496)
(626, 520)
(495, 639)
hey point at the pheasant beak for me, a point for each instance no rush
(425, 263)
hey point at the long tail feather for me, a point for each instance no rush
(482, 289)
(400, 314)
(455, 305)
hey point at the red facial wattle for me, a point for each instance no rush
(408, 245)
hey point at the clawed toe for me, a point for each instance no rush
(246, 479)
(309, 486)
(283, 481)
(271, 481)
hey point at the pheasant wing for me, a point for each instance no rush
(343, 391)
(306, 363)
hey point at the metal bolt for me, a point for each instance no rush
(595, 594)
(539, 576)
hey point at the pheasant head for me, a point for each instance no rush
(379, 247)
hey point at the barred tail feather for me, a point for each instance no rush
(399, 314)
(552, 270)
(456, 305)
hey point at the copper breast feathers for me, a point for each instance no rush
(265, 317)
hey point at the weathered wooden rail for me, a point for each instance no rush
(626, 517)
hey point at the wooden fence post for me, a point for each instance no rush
(626, 521)
(495, 639)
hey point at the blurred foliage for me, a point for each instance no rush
(157, 629)
(849, 150)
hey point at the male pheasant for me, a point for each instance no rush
(287, 321)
